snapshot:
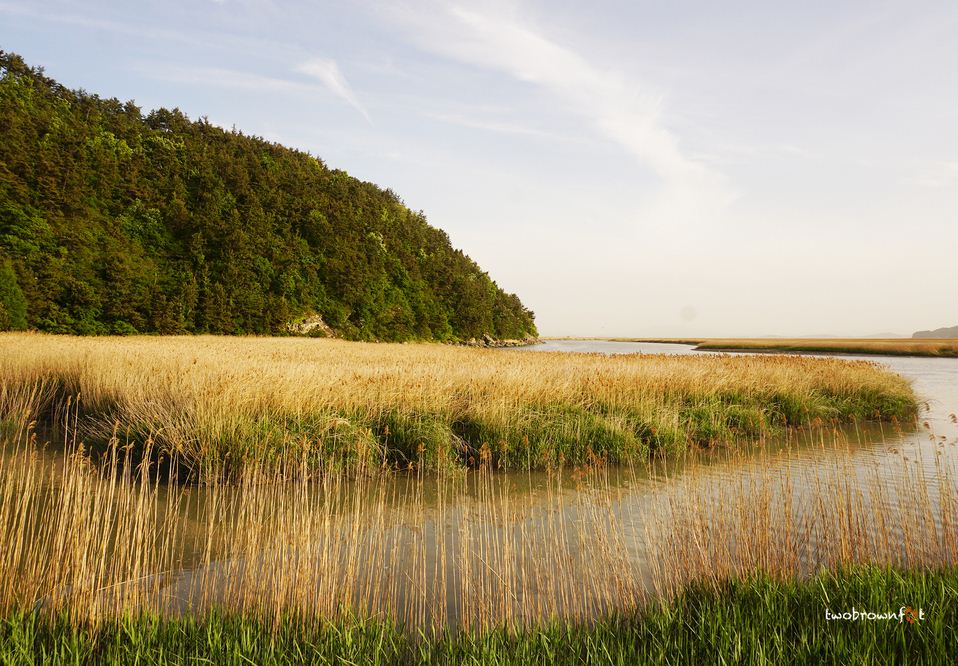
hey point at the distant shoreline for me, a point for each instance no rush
(918, 347)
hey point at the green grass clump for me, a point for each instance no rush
(757, 620)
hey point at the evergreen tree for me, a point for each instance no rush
(117, 222)
(13, 306)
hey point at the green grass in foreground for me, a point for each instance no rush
(755, 621)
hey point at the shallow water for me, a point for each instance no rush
(480, 549)
(531, 514)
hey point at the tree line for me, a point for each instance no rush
(116, 222)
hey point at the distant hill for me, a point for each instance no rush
(951, 332)
(116, 222)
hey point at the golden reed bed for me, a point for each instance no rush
(881, 347)
(220, 402)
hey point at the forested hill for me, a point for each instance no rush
(947, 332)
(116, 222)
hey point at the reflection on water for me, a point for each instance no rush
(485, 548)
(481, 548)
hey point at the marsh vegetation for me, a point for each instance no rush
(468, 563)
(221, 403)
(195, 502)
(947, 348)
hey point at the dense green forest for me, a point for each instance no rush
(112, 222)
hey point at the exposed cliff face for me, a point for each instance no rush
(489, 341)
(313, 326)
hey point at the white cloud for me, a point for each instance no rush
(329, 76)
(148, 32)
(327, 72)
(222, 78)
(617, 108)
(497, 126)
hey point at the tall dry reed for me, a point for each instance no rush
(220, 403)
(468, 549)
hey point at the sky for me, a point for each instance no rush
(628, 168)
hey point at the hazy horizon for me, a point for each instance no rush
(628, 169)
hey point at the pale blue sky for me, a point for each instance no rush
(627, 168)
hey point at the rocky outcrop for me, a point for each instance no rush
(313, 326)
(489, 341)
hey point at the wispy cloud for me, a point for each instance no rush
(327, 72)
(148, 32)
(222, 78)
(497, 126)
(219, 77)
(619, 109)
